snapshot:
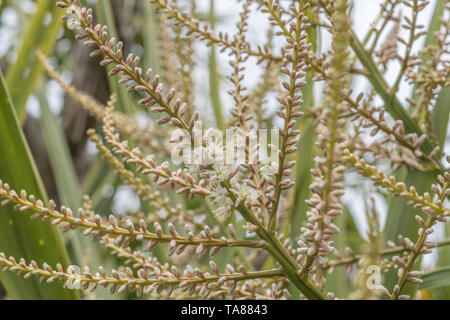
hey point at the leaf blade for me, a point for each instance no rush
(20, 236)
(24, 74)
(436, 279)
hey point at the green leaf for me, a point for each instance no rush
(441, 113)
(70, 193)
(25, 73)
(62, 167)
(20, 236)
(303, 178)
(152, 54)
(436, 279)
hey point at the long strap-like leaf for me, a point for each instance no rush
(24, 74)
(20, 236)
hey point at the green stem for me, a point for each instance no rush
(278, 252)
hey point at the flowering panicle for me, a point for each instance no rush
(386, 15)
(431, 74)
(410, 23)
(220, 219)
(328, 173)
(295, 68)
(127, 125)
(133, 76)
(203, 33)
(158, 281)
(154, 197)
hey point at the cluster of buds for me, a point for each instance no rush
(426, 203)
(132, 75)
(328, 172)
(203, 33)
(295, 68)
(241, 109)
(375, 120)
(123, 232)
(146, 135)
(143, 189)
(192, 281)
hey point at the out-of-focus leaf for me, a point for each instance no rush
(441, 114)
(99, 177)
(303, 179)
(436, 279)
(85, 251)
(2, 6)
(336, 281)
(151, 49)
(61, 163)
(29, 40)
(66, 179)
(19, 235)
(24, 74)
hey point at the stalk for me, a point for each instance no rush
(276, 249)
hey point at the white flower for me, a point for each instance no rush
(253, 198)
(241, 191)
(251, 228)
(219, 196)
(73, 18)
(269, 169)
(246, 194)
(222, 211)
(221, 172)
(214, 153)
